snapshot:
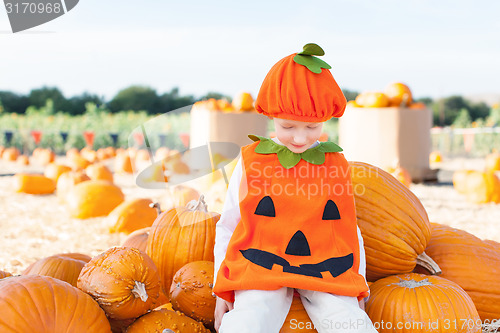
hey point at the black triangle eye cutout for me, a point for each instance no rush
(331, 211)
(265, 207)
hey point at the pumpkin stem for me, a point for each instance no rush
(157, 206)
(139, 291)
(426, 262)
(199, 205)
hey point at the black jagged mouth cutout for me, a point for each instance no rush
(335, 265)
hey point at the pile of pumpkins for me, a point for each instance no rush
(396, 94)
(242, 102)
(480, 186)
(160, 279)
(42, 156)
(86, 184)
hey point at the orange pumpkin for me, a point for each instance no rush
(166, 305)
(399, 94)
(353, 104)
(460, 180)
(124, 163)
(89, 154)
(179, 236)
(93, 198)
(123, 280)
(10, 154)
(132, 215)
(162, 153)
(191, 291)
(372, 99)
(46, 305)
(4, 274)
(102, 154)
(493, 162)
(421, 303)
(138, 239)
(44, 156)
(99, 171)
(481, 187)
(54, 171)
(33, 184)
(184, 194)
(68, 180)
(402, 175)
(471, 263)
(165, 320)
(64, 267)
(392, 220)
(435, 157)
(418, 106)
(23, 160)
(225, 106)
(78, 162)
(71, 152)
(243, 102)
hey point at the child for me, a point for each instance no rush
(289, 220)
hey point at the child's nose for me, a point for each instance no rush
(300, 138)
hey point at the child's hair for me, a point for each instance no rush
(301, 87)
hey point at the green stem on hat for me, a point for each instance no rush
(307, 58)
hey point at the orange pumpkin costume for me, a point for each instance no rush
(295, 231)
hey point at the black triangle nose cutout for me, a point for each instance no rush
(298, 245)
(265, 207)
(331, 211)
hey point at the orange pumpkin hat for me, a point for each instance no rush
(301, 87)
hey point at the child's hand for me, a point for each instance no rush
(221, 307)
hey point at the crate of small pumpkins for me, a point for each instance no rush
(221, 121)
(386, 128)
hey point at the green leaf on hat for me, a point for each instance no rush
(312, 49)
(306, 58)
(312, 63)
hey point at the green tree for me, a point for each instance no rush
(136, 98)
(77, 104)
(479, 110)
(350, 95)
(172, 100)
(494, 116)
(215, 95)
(463, 119)
(446, 110)
(13, 102)
(426, 100)
(38, 98)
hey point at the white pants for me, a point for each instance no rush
(264, 311)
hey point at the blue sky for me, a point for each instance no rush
(438, 48)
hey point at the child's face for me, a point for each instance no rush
(296, 135)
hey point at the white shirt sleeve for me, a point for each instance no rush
(229, 219)
(362, 257)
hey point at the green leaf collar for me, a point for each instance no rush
(287, 158)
